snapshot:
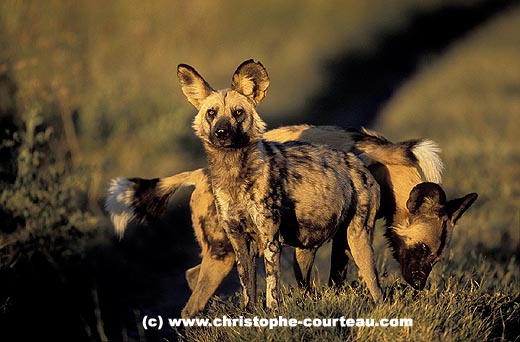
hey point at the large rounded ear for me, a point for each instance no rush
(455, 208)
(194, 87)
(426, 198)
(251, 80)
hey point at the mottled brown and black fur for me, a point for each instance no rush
(271, 194)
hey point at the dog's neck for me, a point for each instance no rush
(231, 166)
(396, 182)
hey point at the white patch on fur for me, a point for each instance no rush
(419, 233)
(409, 235)
(427, 154)
(119, 203)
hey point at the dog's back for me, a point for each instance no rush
(397, 167)
(317, 184)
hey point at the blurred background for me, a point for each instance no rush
(88, 92)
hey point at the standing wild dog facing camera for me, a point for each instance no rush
(268, 194)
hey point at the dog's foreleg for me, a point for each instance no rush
(246, 268)
(268, 232)
(230, 221)
(272, 250)
(245, 259)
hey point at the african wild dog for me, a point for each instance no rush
(268, 194)
(398, 168)
(419, 220)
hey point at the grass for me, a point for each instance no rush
(466, 305)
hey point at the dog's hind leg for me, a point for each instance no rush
(363, 256)
(359, 235)
(209, 275)
(192, 276)
(303, 261)
(338, 259)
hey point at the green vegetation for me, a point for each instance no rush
(44, 208)
(88, 91)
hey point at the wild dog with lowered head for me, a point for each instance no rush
(419, 220)
(397, 167)
(268, 194)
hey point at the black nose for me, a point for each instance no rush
(222, 129)
(222, 133)
(418, 280)
(419, 284)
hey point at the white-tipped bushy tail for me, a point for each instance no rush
(142, 200)
(119, 203)
(427, 154)
(422, 154)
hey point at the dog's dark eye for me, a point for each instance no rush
(238, 112)
(211, 112)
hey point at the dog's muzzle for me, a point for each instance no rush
(224, 134)
(416, 277)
